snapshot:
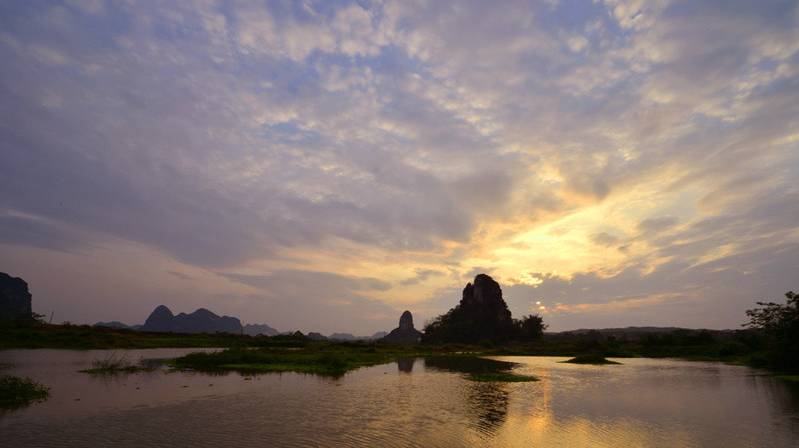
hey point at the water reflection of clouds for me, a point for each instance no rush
(642, 403)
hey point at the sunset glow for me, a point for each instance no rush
(323, 166)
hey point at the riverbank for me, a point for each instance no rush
(740, 347)
(85, 337)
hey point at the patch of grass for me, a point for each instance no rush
(330, 360)
(501, 377)
(16, 392)
(591, 359)
(114, 365)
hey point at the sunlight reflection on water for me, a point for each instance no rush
(412, 402)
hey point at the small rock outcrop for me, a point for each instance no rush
(200, 321)
(405, 333)
(15, 299)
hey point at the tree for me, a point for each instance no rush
(532, 327)
(780, 322)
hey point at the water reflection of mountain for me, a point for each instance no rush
(406, 364)
(489, 405)
(487, 402)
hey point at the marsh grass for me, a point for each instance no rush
(330, 360)
(591, 359)
(16, 392)
(115, 364)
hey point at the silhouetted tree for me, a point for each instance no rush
(531, 327)
(780, 322)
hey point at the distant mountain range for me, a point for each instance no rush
(345, 336)
(260, 329)
(200, 321)
(204, 321)
(118, 325)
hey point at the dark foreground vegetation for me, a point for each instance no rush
(16, 392)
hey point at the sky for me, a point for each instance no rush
(323, 166)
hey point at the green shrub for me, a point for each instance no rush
(16, 392)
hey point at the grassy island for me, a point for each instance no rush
(330, 360)
(596, 360)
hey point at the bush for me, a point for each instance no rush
(16, 392)
(780, 323)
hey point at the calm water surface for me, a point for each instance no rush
(642, 403)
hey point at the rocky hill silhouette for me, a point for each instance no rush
(200, 321)
(15, 299)
(259, 329)
(482, 316)
(405, 333)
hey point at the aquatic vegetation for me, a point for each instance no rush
(115, 364)
(479, 369)
(323, 360)
(16, 392)
(591, 359)
(501, 377)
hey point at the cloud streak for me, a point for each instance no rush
(612, 145)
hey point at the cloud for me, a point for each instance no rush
(657, 225)
(604, 239)
(33, 231)
(322, 301)
(364, 140)
(420, 276)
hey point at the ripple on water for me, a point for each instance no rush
(640, 403)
